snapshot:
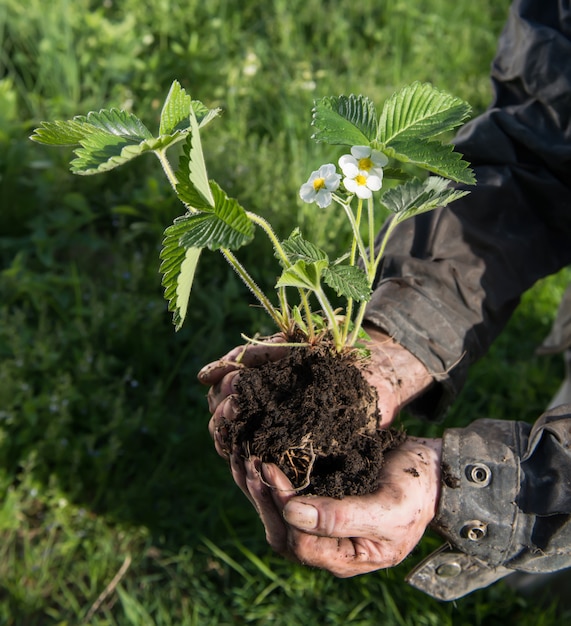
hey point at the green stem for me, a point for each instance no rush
(357, 326)
(330, 314)
(371, 216)
(356, 226)
(283, 256)
(361, 313)
(253, 287)
(162, 156)
(391, 224)
(265, 225)
(308, 316)
(167, 169)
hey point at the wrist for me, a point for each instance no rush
(429, 452)
(396, 373)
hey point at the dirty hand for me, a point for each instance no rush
(397, 375)
(357, 534)
(222, 376)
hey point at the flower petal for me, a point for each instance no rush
(361, 152)
(350, 169)
(327, 170)
(323, 198)
(350, 184)
(374, 182)
(363, 192)
(380, 159)
(332, 182)
(307, 193)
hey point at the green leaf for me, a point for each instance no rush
(297, 317)
(349, 281)
(192, 175)
(417, 197)
(303, 275)
(435, 157)
(119, 127)
(297, 248)
(419, 111)
(415, 115)
(111, 137)
(227, 226)
(185, 189)
(178, 268)
(176, 110)
(203, 114)
(61, 133)
(107, 139)
(346, 120)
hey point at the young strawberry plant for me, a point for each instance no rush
(404, 133)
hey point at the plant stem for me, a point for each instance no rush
(373, 270)
(352, 259)
(330, 313)
(354, 227)
(253, 287)
(265, 225)
(280, 318)
(371, 219)
(162, 156)
(391, 224)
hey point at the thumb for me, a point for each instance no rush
(327, 517)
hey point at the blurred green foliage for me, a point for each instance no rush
(105, 460)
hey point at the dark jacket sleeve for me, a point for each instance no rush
(451, 279)
(505, 504)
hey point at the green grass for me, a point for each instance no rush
(108, 479)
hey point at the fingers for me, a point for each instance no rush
(267, 486)
(326, 517)
(226, 412)
(250, 355)
(225, 387)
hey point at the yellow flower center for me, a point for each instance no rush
(360, 179)
(366, 164)
(318, 183)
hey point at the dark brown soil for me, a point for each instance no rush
(314, 415)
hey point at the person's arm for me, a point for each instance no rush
(451, 279)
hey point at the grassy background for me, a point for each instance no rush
(107, 474)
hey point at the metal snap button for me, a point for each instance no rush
(448, 570)
(479, 474)
(474, 530)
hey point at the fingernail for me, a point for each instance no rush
(234, 383)
(205, 371)
(301, 515)
(234, 406)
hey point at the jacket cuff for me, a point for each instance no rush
(477, 511)
(481, 479)
(448, 574)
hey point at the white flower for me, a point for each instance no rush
(364, 158)
(319, 186)
(363, 171)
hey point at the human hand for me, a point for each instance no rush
(397, 375)
(222, 377)
(357, 534)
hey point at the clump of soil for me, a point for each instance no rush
(314, 415)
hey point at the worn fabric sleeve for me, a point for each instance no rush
(451, 279)
(505, 504)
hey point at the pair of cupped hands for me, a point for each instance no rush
(357, 534)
